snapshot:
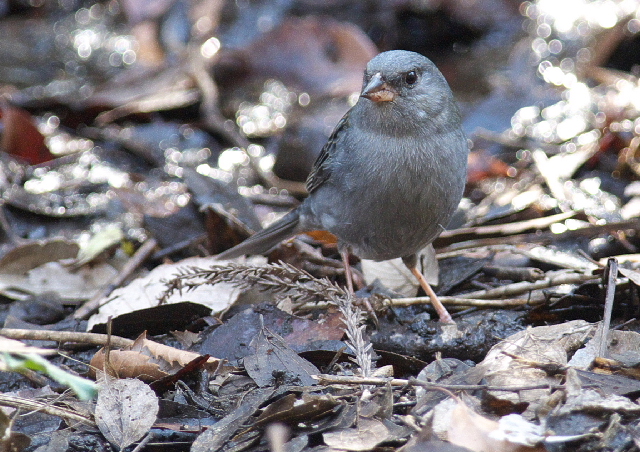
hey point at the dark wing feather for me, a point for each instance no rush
(322, 167)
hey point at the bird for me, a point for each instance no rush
(391, 174)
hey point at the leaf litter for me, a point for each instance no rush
(154, 147)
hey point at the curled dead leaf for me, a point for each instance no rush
(480, 434)
(146, 360)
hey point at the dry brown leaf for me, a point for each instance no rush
(69, 285)
(633, 275)
(146, 360)
(25, 257)
(186, 338)
(125, 410)
(10, 440)
(168, 354)
(126, 364)
(295, 53)
(508, 363)
(36, 267)
(20, 135)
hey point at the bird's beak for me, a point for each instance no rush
(378, 90)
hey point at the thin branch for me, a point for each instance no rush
(65, 336)
(492, 297)
(534, 300)
(35, 405)
(324, 379)
(448, 243)
(612, 274)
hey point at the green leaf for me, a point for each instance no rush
(85, 389)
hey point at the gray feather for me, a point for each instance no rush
(268, 238)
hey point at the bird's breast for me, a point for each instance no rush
(389, 198)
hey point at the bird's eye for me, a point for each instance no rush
(411, 77)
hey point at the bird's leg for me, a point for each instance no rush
(443, 314)
(347, 270)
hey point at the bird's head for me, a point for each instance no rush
(406, 85)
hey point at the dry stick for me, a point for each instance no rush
(65, 336)
(519, 288)
(529, 274)
(612, 274)
(324, 379)
(488, 249)
(555, 278)
(34, 405)
(143, 443)
(527, 251)
(136, 260)
(534, 300)
(449, 241)
(213, 119)
(500, 230)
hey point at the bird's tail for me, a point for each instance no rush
(266, 239)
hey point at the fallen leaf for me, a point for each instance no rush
(395, 275)
(147, 360)
(125, 410)
(20, 136)
(366, 435)
(143, 293)
(273, 357)
(479, 434)
(26, 257)
(68, 285)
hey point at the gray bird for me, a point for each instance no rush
(391, 174)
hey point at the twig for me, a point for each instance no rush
(552, 279)
(142, 443)
(500, 230)
(132, 264)
(612, 274)
(214, 121)
(164, 252)
(448, 242)
(35, 405)
(65, 336)
(428, 385)
(324, 379)
(473, 302)
(212, 118)
(492, 296)
(484, 250)
(529, 274)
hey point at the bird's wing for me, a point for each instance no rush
(322, 167)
